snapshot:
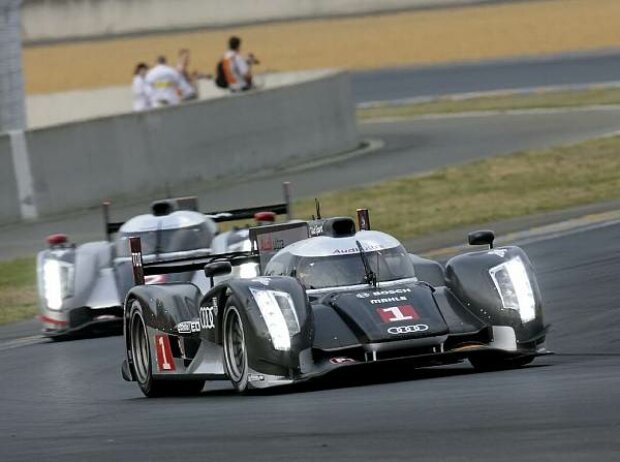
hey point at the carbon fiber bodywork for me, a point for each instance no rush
(438, 317)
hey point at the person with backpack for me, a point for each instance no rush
(234, 71)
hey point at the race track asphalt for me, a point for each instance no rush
(410, 147)
(66, 401)
(505, 74)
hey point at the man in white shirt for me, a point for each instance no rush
(167, 86)
(140, 89)
(237, 68)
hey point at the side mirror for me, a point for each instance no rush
(217, 268)
(481, 237)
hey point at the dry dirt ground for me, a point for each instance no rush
(468, 33)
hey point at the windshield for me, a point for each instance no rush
(342, 270)
(168, 240)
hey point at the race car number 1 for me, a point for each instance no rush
(165, 362)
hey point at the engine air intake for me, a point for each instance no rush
(339, 227)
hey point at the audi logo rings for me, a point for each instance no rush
(411, 329)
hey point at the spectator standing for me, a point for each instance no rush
(167, 86)
(183, 60)
(237, 68)
(140, 89)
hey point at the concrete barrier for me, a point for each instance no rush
(78, 164)
(49, 109)
(44, 20)
(9, 201)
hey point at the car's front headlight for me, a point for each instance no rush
(515, 288)
(279, 313)
(57, 282)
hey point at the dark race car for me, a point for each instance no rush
(329, 297)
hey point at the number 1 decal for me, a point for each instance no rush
(165, 361)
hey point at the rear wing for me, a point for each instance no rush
(165, 206)
(266, 242)
(243, 214)
(141, 269)
(283, 208)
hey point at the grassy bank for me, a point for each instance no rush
(17, 290)
(488, 190)
(560, 99)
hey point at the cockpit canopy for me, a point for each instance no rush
(177, 232)
(323, 262)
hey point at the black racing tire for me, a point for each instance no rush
(486, 364)
(234, 333)
(140, 348)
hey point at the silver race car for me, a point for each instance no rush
(84, 286)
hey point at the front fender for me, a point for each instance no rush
(469, 279)
(262, 355)
(165, 305)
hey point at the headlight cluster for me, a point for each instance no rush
(514, 287)
(58, 278)
(279, 314)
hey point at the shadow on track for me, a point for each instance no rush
(377, 374)
(89, 333)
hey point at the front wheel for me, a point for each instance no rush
(141, 353)
(483, 363)
(235, 347)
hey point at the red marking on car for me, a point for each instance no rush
(265, 243)
(265, 216)
(49, 320)
(165, 361)
(155, 279)
(398, 313)
(56, 239)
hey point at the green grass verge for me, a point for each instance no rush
(499, 102)
(493, 189)
(18, 293)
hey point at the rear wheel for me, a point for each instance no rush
(483, 363)
(235, 347)
(141, 353)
